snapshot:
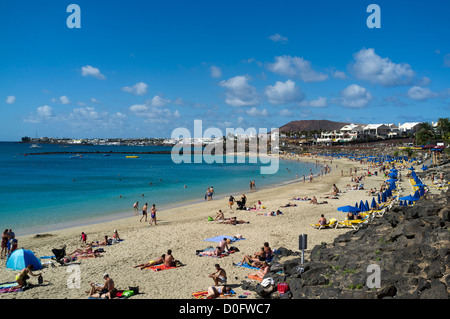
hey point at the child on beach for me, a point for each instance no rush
(83, 237)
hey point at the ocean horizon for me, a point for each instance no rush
(43, 193)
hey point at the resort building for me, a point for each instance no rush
(376, 130)
(410, 127)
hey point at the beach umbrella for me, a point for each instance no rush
(384, 197)
(379, 198)
(374, 203)
(361, 206)
(366, 205)
(422, 191)
(348, 208)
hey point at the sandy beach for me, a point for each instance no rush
(183, 230)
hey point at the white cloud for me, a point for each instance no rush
(239, 92)
(355, 96)
(257, 113)
(283, 93)
(216, 72)
(91, 71)
(286, 113)
(339, 75)
(154, 114)
(421, 94)
(43, 112)
(138, 108)
(64, 99)
(86, 113)
(296, 67)
(278, 38)
(139, 88)
(10, 99)
(371, 67)
(159, 101)
(319, 102)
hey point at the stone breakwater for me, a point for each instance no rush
(410, 245)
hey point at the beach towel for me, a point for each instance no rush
(254, 278)
(245, 265)
(218, 239)
(7, 287)
(161, 267)
(119, 295)
(47, 257)
(203, 294)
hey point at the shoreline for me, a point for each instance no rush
(184, 230)
(116, 216)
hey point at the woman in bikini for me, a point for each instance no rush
(214, 292)
(21, 278)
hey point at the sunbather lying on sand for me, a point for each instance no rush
(272, 213)
(234, 221)
(87, 249)
(263, 271)
(314, 201)
(216, 291)
(215, 253)
(157, 261)
(289, 205)
(301, 198)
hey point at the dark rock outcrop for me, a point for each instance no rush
(404, 254)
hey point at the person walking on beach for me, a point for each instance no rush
(231, 202)
(83, 237)
(5, 239)
(153, 215)
(144, 212)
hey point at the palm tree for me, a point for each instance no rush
(424, 133)
(443, 125)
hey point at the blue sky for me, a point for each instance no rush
(144, 68)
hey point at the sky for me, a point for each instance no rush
(143, 68)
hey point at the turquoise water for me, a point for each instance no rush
(47, 192)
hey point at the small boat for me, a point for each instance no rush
(132, 156)
(35, 146)
(77, 156)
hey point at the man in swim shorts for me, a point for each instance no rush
(144, 212)
(219, 276)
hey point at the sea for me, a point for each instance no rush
(47, 192)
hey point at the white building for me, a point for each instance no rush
(408, 127)
(376, 130)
